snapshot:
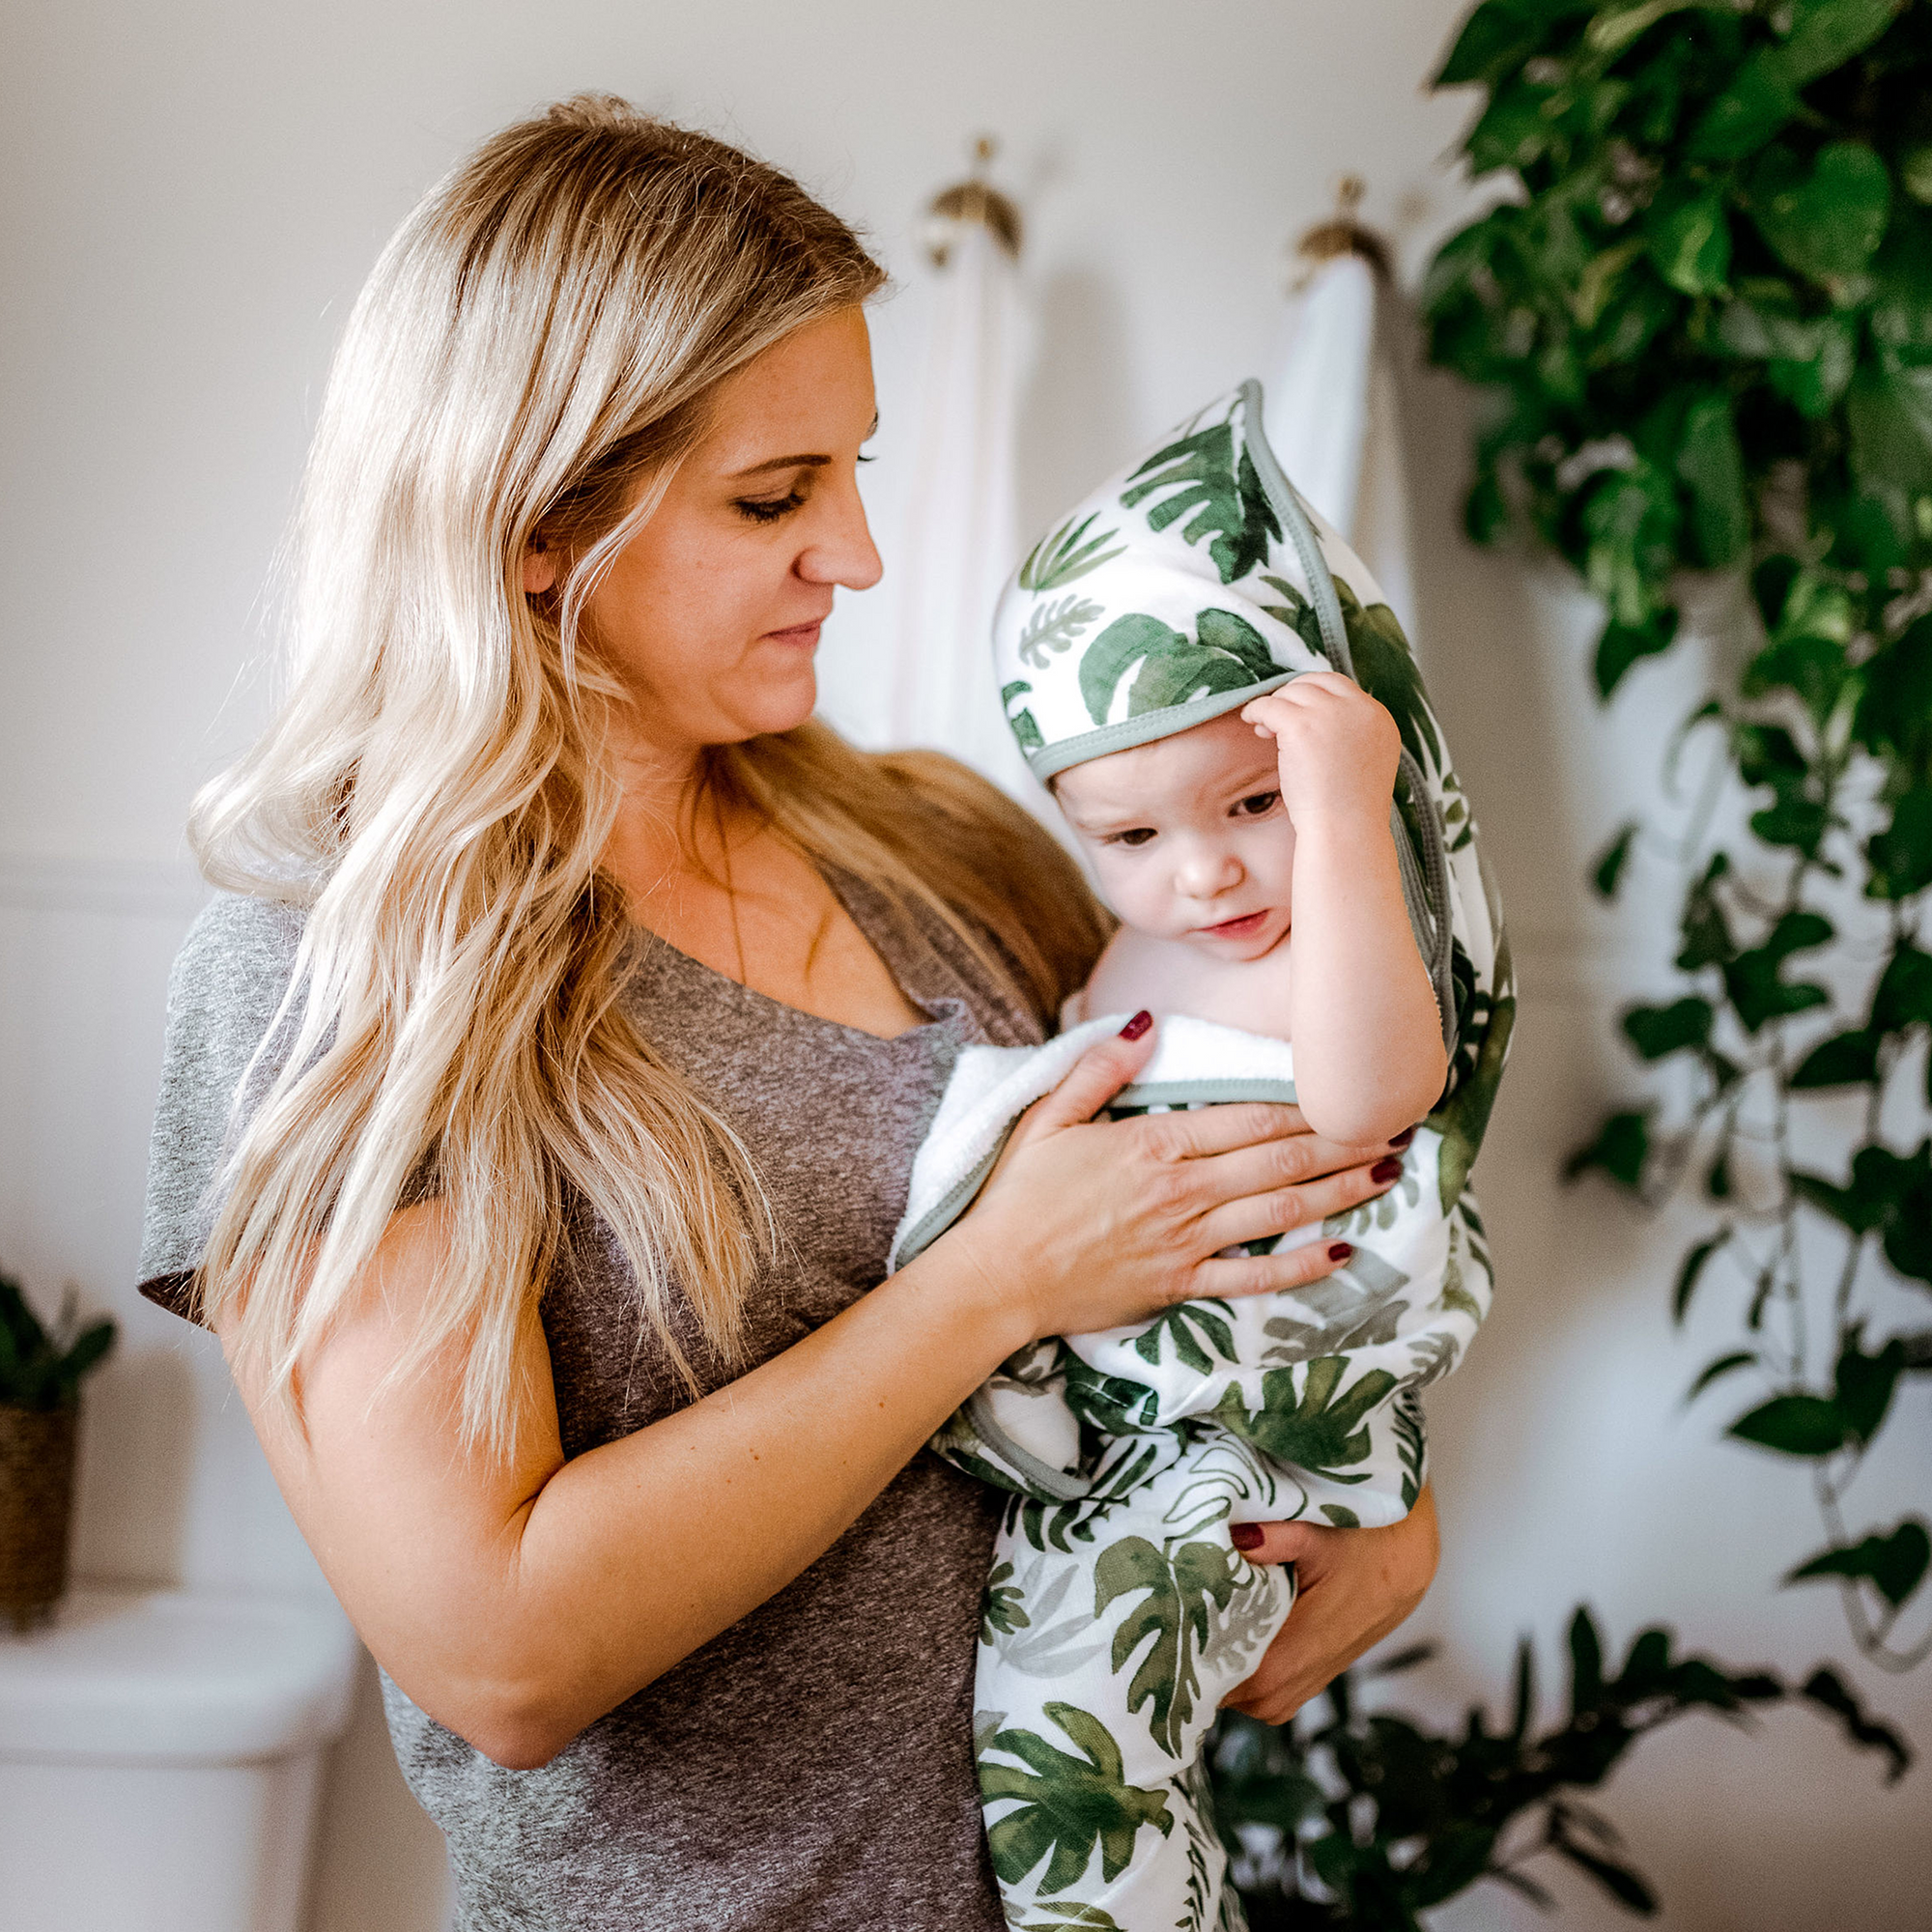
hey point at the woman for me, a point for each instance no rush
(582, 1003)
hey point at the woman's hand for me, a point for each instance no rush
(1086, 1226)
(1354, 1586)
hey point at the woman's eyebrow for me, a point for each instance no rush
(797, 462)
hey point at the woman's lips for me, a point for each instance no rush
(1236, 928)
(804, 635)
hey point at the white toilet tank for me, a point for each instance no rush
(160, 1760)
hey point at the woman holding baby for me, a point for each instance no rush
(582, 1002)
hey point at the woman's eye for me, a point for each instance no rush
(768, 509)
(1259, 806)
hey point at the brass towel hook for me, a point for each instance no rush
(973, 200)
(1341, 234)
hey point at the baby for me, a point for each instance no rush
(1184, 663)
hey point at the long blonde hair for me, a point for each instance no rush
(536, 345)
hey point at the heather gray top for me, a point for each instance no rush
(812, 1766)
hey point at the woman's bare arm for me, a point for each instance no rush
(516, 1601)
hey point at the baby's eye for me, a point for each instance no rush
(768, 509)
(1259, 806)
(1139, 836)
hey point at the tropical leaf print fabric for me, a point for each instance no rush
(1119, 1612)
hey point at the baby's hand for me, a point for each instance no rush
(1337, 747)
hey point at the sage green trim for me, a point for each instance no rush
(1300, 531)
(950, 1205)
(1055, 1484)
(1202, 1092)
(1127, 732)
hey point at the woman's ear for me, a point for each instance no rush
(539, 571)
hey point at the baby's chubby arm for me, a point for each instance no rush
(1368, 1045)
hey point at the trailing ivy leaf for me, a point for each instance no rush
(1846, 1058)
(1622, 644)
(1901, 855)
(1070, 1805)
(1760, 101)
(1894, 1564)
(1825, 1689)
(1619, 1881)
(1826, 34)
(1586, 1664)
(1794, 1425)
(1620, 1149)
(1811, 359)
(1888, 413)
(1903, 996)
(1825, 221)
(1607, 872)
(1753, 980)
(1694, 1267)
(1865, 1385)
(1705, 931)
(1657, 1030)
(1689, 241)
(1713, 1371)
(1495, 41)
(1711, 466)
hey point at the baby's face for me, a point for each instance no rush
(1188, 836)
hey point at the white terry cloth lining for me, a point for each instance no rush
(1194, 1061)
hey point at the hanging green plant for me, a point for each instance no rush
(1704, 326)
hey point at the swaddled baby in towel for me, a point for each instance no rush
(1231, 722)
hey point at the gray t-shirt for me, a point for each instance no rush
(812, 1767)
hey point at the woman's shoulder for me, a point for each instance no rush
(237, 959)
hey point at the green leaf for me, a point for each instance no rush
(1620, 1149)
(1179, 1325)
(1844, 1060)
(1657, 1030)
(1824, 1689)
(1888, 413)
(1070, 1804)
(1753, 980)
(1827, 220)
(1903, 996)
(1713, 1371)
(1495, 41)
(1608, 871)
(1894, 1565)
(1794, 1425)
(1865, 1385)
(1219, 495)
(1901, 855)
(1025, 729)
(1706, 933)
(1586, 1664)
(1811, 359)
(1231, 653)
(1067, 554)
(1694, 1267)
(1175, 1614)
(1321, 1427)
(1689, 241)
(1619, 1881)
(1760, 101)
(1825, 33)
(1622, 644)
(1711, 464)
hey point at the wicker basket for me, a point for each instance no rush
(36, 1510)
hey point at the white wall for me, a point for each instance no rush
(191, 196)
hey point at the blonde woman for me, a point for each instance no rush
(540, 1095)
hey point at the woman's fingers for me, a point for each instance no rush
(1229, 1277)
(1353, 1587)
(1092, 1080)
(1255, 1217)
(1198, 1133)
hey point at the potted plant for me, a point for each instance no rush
(40, 1372)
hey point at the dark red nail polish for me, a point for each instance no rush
(1402, 1139)
(1245, 1535)
(1340, 1251)
(1138, 1025)
(1386, 1170)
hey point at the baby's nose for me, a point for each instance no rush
(1208, 873)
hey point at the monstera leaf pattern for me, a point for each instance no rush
(1226, 653)
(1217, 494)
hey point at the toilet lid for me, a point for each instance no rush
(177, 1677)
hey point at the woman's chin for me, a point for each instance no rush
(783, 704)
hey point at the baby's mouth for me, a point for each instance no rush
(1235, 928)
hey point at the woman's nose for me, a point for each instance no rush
(839, 546)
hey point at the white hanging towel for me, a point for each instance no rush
(961, 533)
(1333, 416)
